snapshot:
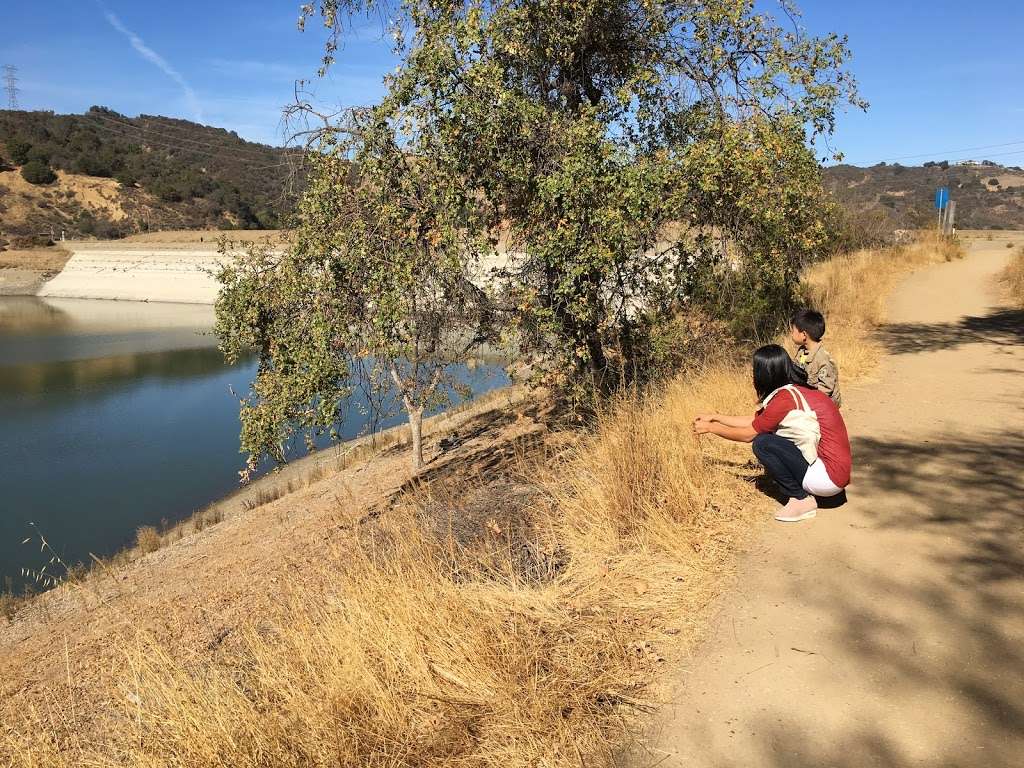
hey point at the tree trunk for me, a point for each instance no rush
(416, 430)
(598, 364)
(414, 406)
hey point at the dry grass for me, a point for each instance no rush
(9, 604)
(538, 649)
(47, 260)
(415, 652)
(147, 539)
(192, 236)
(852, 290)
(1013, 277)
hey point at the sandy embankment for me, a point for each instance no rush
(138, 273)
(15, 281)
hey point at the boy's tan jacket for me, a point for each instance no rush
(822, 373)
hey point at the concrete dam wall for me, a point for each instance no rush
(138, 273)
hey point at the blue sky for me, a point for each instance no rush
(941, 76)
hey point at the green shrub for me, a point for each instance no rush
(18, 150)
(94, 165)
(38, 153)
(127, 177)
(108, 230)
(38, 172)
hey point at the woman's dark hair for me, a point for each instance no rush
(774, 368)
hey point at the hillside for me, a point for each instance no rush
(988, 196)
(113, 176)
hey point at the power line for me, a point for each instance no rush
(951, 151)
(11, 85)
(996, 154)
(987, 156)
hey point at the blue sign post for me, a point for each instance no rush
(942, 203)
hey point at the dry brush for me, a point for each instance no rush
(540, 648)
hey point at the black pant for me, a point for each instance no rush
(784, 463)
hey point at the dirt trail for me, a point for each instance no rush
(889, 632)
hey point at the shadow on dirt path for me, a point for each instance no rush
(889, 632)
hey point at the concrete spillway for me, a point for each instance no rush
(141, 273)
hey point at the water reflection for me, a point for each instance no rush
(116, 415)
(76, 377)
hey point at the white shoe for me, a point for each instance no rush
(785, 515)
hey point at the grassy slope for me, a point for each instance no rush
(1013, 277)
(536, 640)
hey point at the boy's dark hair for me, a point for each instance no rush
(810, 322)
(774, 368)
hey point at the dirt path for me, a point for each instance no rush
(889, 632)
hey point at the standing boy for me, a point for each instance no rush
(807, 328)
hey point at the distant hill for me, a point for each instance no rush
(104, 174)
(988, 196)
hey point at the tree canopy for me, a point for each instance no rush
(620, 160)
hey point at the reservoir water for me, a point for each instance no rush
(115, 415)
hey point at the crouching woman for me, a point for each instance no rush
(798, 434)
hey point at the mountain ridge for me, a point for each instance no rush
(103, 174)
(904, 196)
(155, 173)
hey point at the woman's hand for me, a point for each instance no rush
(702, 425)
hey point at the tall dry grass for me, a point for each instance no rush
(852, 290)
(409, 650)
(1013, 277)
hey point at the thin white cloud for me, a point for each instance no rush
(258, 70)
(155, 58)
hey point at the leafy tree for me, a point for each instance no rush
(86, 223)
(623, 158)
(600, 130)
(757, 214)
(376, 292)
(38, 172)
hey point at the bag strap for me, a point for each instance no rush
(770, 397)
(798, 398)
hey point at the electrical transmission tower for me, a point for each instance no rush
(11, 85)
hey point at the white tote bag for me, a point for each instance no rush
(799, 425)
